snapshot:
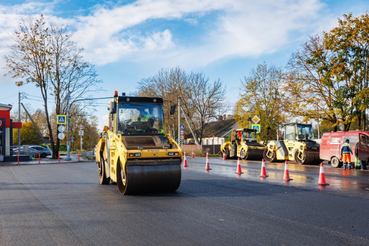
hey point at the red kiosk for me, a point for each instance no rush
(6, 133)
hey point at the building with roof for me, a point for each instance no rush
(214, 134)
(6, 132)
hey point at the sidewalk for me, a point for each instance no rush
(48, 160)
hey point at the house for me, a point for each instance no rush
(214, 134)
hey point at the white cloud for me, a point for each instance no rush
(11, 16)
(241, 28)
(237, 28)
(98, 29)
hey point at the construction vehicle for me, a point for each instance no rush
(133, 150)
(243, 145)
(298, 145)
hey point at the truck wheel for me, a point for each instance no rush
(101, 172)
(121, 179)
(335, 162)
(269, 155)
(300, 157)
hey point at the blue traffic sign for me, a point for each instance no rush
(181, 127)
(257, 127)
(61, 119)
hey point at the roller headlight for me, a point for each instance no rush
(173, 153)
(134, 154)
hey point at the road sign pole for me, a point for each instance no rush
(81, 144)
(68, 144)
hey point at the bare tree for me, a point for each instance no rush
(202, 100)
(169, 85)
(199, 97)
(44, 54)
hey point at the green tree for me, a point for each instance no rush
(350, 44)
(328, 77)
(310, 88)
(262, 94)
(29, 135)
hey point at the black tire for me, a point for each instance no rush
(300, 157)
(335, 162)
(122, 181)
(269, 155)
(226, 152)
(103, 180)
(43, 155)
(243, 154)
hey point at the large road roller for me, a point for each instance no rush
(134, 152)
(243, 145)
(298, 145)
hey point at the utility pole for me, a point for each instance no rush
(179, 121)
(68, 109)
(189, 126)
(250, 109)
(19, 118)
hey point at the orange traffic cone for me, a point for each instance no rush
(184, 160)
(239, 170)
(263, 171)
(207, 167)
(286, 176)
(322, 176)
(224, 156)
(193, 155)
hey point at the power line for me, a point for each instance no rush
(8, 97)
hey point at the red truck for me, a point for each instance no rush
(330, 146)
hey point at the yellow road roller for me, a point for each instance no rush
(298, 145)
(133, 150)
(243, 145)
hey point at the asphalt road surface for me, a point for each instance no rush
(63, 204)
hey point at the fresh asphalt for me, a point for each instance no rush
(344, 182)
(63, 204)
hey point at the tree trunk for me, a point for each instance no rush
(364, 122)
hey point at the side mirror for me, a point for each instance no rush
(173, 109)
(113, 107)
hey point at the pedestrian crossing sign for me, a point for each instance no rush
(257, 127)
(61, 119)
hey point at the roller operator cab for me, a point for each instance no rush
(243, 145)
(298, 145)
(134, 150)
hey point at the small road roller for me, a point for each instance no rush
(243, 145)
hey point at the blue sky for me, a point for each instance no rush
(131, 40)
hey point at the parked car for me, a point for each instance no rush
(330, 148)
(33, 151)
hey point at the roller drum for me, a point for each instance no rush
(255, 154)
(153, 175)
(312, 158)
